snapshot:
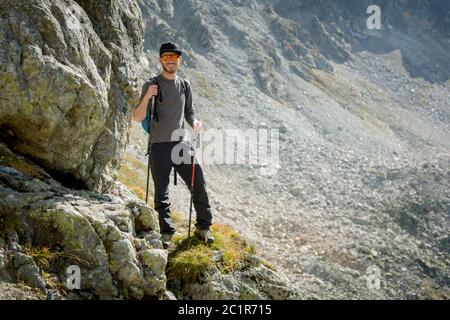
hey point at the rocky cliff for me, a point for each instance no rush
(69, 72)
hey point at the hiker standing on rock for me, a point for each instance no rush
(173, 104)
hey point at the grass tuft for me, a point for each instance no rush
(43, 255)
(192, 259)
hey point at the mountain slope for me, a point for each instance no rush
(363, 117)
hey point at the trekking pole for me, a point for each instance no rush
(149, 150)
(192, 182)
(150, 115)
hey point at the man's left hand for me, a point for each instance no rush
(198, 126)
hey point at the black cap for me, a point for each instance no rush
(169, 47)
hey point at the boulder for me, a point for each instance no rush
(69, 72)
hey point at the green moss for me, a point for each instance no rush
(233, 245)
(177, 238)
(123, 292)
(7, 223)
(268, 265)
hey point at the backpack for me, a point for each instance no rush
(147, 121)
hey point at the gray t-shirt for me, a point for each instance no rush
(172, 110)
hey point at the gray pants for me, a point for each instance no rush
(161, 166)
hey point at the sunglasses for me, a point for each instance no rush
(169, 57)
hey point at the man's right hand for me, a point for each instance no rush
(141, 109)
(152, 91)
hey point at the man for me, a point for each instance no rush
(173, 104)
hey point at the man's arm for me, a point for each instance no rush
(146, 94)
(189, 113)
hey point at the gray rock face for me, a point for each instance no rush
(68, 71)
(154, 263)
(81, 228)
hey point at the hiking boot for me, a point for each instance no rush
(166, 238)
(204, 235)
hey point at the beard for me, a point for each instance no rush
(170, 69)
